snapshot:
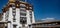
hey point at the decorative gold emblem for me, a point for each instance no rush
(11, 0)
(17, 5)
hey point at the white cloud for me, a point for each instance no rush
(43, 19)
(48, 19)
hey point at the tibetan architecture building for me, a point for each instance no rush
(17, 14)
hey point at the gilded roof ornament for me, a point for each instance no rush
(11, 0)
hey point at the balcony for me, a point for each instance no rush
(22, 16)
(22, 11)
(22, 5)
(23, 8)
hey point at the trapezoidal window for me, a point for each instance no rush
(23, 20)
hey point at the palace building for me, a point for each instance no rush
(17, 14)
(20, 14)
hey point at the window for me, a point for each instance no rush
(14, 10)
(30, 7)
(23, 20)
(22, 5)
(14, 13)
(19, 27)
(23, 14)
(23, 10)
(14, 17)
(30, 12)
(13, 6)
(14, 20)
(14, 26)
(31, 19)
(30, 15)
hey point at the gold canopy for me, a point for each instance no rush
(11, 0)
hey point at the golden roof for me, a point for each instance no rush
(11, 0)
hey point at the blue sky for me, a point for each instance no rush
(46, 9)
(42, 8)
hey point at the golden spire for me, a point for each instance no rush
(11, 0)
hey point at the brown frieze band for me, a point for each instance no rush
(17, 5)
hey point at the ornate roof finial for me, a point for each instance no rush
(11, 0)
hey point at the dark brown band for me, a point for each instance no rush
(17, 5)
